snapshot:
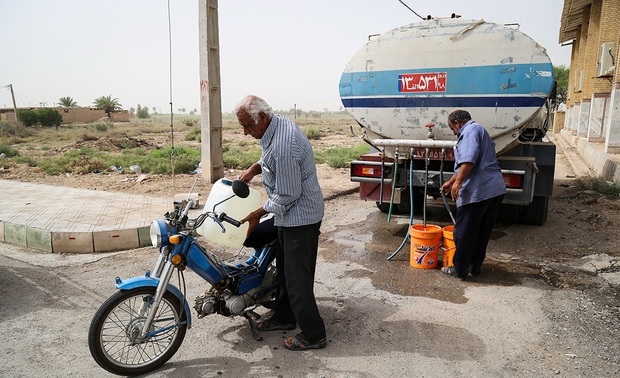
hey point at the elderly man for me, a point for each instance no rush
(478, 188)
(289, 175)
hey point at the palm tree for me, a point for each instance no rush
(67, 102)
(108, 104)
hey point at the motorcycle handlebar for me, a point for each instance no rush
(230, 220)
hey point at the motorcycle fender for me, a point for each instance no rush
(135, 282)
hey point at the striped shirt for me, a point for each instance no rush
(289, 175)
(485, 180)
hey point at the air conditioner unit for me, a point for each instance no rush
(606, 61)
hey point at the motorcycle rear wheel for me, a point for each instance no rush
(114, 333)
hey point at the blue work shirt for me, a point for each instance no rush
(289, 175)
(485, 180)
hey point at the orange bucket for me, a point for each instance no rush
(424, 245)
(448, 247)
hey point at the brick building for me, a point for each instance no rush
(593, 96)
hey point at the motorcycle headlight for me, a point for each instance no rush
(159, 232)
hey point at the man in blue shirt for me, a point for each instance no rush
(295, 199)
(478, 188)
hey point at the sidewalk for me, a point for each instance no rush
(598, 163)
(67, 220)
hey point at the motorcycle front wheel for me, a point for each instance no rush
(114, 336)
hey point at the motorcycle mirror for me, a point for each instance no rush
(240, 188)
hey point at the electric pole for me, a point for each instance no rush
(14, 106)
(212, 159)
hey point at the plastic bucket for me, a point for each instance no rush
(448, 247)
(424, 245)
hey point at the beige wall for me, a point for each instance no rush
(73, 115)
(592, 105)
(87, 115)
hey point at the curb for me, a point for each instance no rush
(600, 163)
(73, 242)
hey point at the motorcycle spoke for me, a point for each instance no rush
(120, 332)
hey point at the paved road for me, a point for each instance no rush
(390, 320)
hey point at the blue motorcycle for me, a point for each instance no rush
(141, 326)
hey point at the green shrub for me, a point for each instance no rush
(100, 126)
(84, 164)
(26, 160)
(600, 185)
(28, 117)
(8, 151)
(143, 112)
(185, 160)
(49, 117)
(340, 157)
(313, 133)
(193, 135)
(236, 157)
(188, 122)
(52, 167)
(9, 130)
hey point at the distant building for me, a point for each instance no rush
(73, 115)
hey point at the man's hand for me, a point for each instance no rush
(454, 190)
(249, 173)
(253, 218)
(446, 187)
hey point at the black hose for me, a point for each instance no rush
(390, 257)
(443, 196)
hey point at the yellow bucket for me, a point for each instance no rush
(448, 247)
(424, 245)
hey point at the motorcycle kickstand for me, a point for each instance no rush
(252, 316)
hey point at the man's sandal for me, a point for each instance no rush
(299, 342)
(451, 271)
(273, 325)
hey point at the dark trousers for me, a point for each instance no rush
(472, 231)
(296, 265)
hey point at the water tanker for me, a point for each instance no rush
(402, 85)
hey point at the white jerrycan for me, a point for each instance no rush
(235, 207)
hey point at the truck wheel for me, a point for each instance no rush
(509, 214)
(536, 212)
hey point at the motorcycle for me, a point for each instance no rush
(141, 326)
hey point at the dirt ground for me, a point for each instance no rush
(576, 249)
(580, 223)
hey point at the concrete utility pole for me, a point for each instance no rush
(210, 96)
(14, 105)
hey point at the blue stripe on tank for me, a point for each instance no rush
(443, 102)
(505, 79)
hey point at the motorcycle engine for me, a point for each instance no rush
(236, 304)
(228, 304)
(206, 304)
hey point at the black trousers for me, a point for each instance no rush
(296, 265)
(472, 231)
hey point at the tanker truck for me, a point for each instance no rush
(401, 87)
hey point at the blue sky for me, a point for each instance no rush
(288, 52)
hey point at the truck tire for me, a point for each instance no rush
(509, 214)
(536, 212)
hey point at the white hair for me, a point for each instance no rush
(253, 105)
